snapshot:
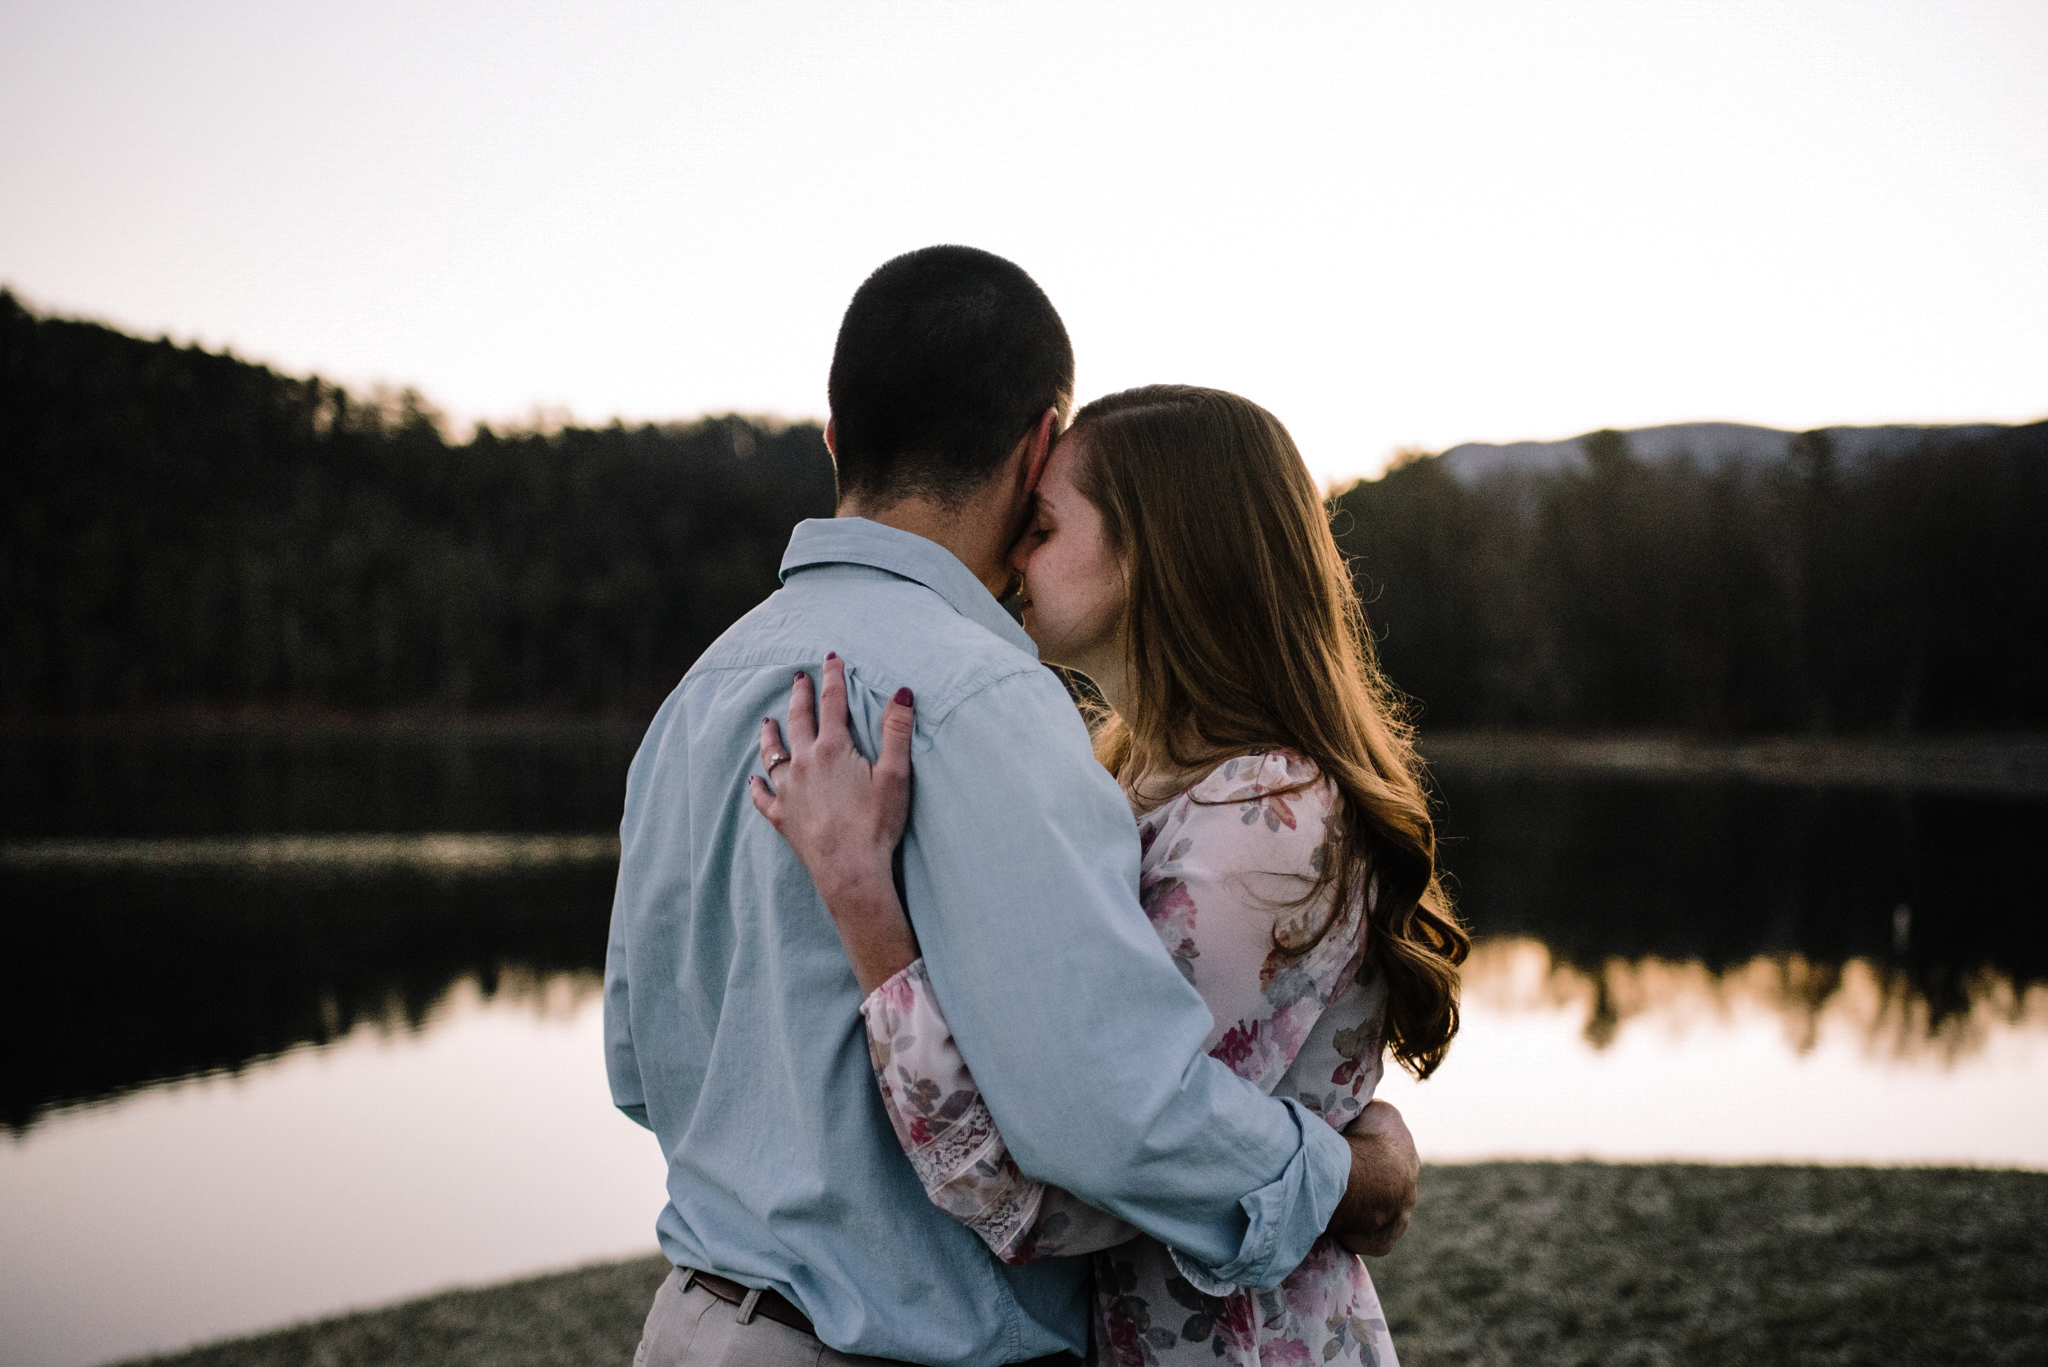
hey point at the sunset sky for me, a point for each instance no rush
(1394, 226)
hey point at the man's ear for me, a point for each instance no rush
(1040, 450)
(832, 438)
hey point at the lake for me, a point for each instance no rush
(307, 1019)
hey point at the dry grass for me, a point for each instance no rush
(582, 1318)
(1523, 1263)
(1565, 1263)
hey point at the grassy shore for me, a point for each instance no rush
(1669, 1263)
(1521, 1263)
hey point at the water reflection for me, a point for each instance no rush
(1701, 970)
(198, 780)
(1940, 895)
(388, 1163)
(475, 1140)
(115, 974)
(1720, 1067)
(1876, 1005)
(184, 905)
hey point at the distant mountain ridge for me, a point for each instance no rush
(1711, 445)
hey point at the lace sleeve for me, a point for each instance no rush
(952, 1140)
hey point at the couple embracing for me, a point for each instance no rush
(1073, 1049)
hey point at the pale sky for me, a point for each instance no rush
(1394, 226)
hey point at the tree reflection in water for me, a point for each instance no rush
(119, 976)
(1938, 896)
(126, 964)
(1880, 1004)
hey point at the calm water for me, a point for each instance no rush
(299, 1074)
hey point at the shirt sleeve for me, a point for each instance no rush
(952, 1141)
(621, 1059)
(1087, 1044)
(621, 1063)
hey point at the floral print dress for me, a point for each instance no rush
(1225, 867)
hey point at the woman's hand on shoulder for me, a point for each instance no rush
(843, 817)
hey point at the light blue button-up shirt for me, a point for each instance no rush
(732, 1022)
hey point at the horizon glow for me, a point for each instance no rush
(1396, 229)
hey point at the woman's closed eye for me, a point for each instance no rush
(1028, 541)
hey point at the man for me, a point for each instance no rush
(731, 1013)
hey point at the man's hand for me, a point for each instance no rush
(1380, 1197)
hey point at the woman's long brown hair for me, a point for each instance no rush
(1245, 632)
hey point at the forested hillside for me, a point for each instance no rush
(1908, 595)
(185, 530)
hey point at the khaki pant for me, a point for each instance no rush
(696, 1329)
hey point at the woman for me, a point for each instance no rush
(1181, 559)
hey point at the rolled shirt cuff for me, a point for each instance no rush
(1287, 1215)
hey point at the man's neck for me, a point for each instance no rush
(977, 536)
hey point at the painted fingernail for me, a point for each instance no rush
(904, 698)
(767, 721)
(831, 654)
(801, 676)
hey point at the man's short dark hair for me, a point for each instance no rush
(945, 359)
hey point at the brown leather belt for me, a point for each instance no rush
(771, 1304)
(767, 1303)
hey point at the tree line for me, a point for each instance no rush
(1908, 594)
(186, 529)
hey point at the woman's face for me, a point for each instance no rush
(1073, 581)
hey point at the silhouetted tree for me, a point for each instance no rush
(1908, 594)
(187, 528)
(184, 528)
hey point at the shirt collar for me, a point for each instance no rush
(857, 541)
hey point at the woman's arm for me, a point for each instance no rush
(843, 817)
(952, 1140)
